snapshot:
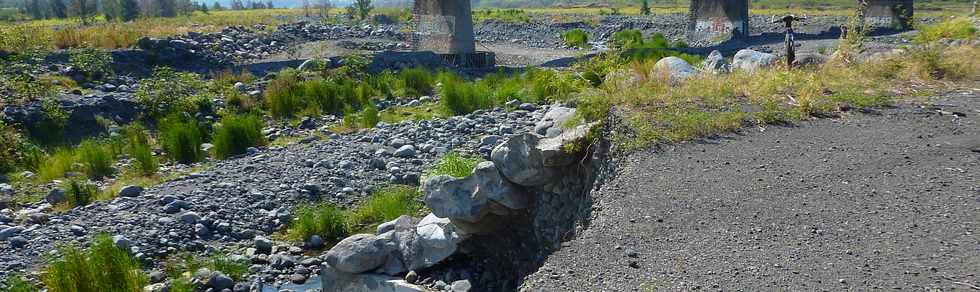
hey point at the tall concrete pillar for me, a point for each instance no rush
(889, 13)
(444, 26)
(717, 20)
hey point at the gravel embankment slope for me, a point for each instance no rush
(863, 202)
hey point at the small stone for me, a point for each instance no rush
(131, 191)
(316, 242)
(411, 277)
(405, 151)
(77, 230)
(461, 286)
(121, 242)
(18, 242)
(263, 245)
(55, 196)
(219, 281)
(297, 279)
(634, 264)
(189, 217)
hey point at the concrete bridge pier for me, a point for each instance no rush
(715, 21)
(889, 13)
(446, 28)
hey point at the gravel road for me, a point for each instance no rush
(867, 201)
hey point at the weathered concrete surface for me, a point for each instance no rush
(890, 13)
(444, 26)
(717, 20)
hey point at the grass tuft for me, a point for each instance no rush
(576, 38)
(236, 134)
(454, 165)
(959, 28)
(385, 205)
(96, 159)
(102, 267)
(323, 219)
(181, 139)
(186, 262)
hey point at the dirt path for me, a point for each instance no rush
(857, 203)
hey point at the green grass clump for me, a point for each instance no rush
(323, 219)
(236, 134)
(102, 267)
(959, 28)
(56, 165)
(385, 205)
(96, 159)
(181, 139)
(138, 148)
(17, 283)
(417, 82)
(422, 112)
(186, 262)
(79, 193)
(577, 38)
(284, 95)
(454, 165)
(460, 97)
(168, 91)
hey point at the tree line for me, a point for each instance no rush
(126, 10)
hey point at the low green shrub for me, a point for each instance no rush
(576, 38)
(284, 95)
(417, 82)
(10, 148)
(954, 28)
(96, 159)
(236, 134)
(102, 267)
(93, 63)
(17, 283)
(56, 165)
(454, 165)
(181, 139)
(323, 219)
(168, 91)
(460, 97)
(386, 204)
(79, 192)
(139, 150)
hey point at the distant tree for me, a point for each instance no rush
(324, 7)
(268, 5)
(237, 5)
(112, 9)
(35, 8)
(166, 8)
(58, 8)
(217, 6)
(83, 9)
(203, 7)
(130, 9)
(360, 9)
(645, 7)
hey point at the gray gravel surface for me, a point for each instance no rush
(863, 202)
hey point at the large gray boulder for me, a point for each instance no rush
(437, 239)
(750, 60)
(334, 280)
(674, 68)
(357, 254)
(468, 198)
(714, 63)
(554, 119)
(520, 161)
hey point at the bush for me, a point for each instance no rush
(93, 63)
(102, 267)
(954, 28)
(385, 205)
(625, 39)
(167, 91)
(576, 38)
(322, 219)
(79, 192)
(454, 165)
(10, 147)
(95, 158)
(284, 95)
(417, 82)
(181, 139)
(56, 165)
(138, 148)
(236, 134)
(17, 283)
(460, 97)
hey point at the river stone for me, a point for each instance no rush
(519, 160)
(714, 63)
(357, 254)
(131, 191)
(334, 280)
(437, 239)
(55, 196)
(551, 124)
(750, 60)
(675, 68)
(219, 281)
